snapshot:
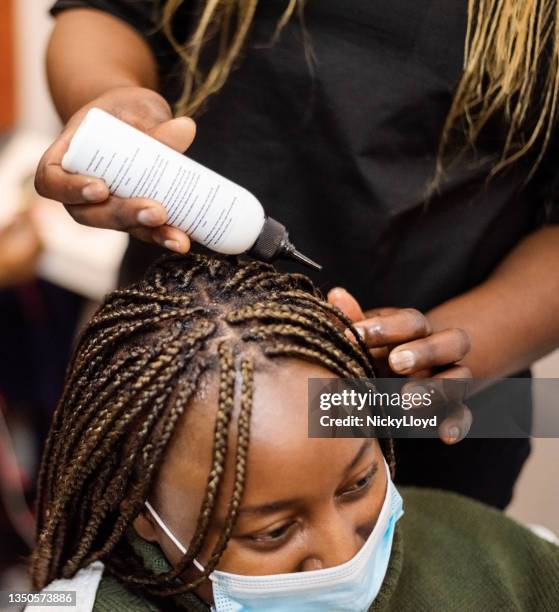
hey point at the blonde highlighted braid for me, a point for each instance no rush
(511, 68)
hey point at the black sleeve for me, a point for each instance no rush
(144, 16)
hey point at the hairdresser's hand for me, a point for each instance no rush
(88, 200)
(403, 340)
(403, 344)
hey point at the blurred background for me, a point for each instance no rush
(52, 272)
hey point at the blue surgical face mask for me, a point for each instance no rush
(350, 587)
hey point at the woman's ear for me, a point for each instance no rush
(143, 524)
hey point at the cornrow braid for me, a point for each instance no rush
(135, 370)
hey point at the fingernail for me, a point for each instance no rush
(150, 217)
(453, 433)
(402, 360)
(336, 293)
(172, 245)
(94, 192)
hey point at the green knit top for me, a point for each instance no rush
(450, 553)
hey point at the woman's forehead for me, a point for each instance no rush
(283, 462)
(279, 421)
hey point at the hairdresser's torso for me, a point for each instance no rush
(342, 154)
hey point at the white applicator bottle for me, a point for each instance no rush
(211, 209)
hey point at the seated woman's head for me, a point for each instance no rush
(189, 391)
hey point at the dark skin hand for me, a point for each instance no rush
(322, 514)
(112, 68)
(404, 344)
(88, 200)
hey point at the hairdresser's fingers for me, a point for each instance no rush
(152, 213)
(343, 300)
(177, 133)
(166, 236)
(120, 214)
(451, 385)
(52, 182)
(380, 312)
(456, 426)
(439, 349)
(454, 384)
(402, 326)
(380, 352)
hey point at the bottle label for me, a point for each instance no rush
(211, 209)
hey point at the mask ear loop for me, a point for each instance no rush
(170, 534)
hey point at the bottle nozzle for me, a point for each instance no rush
(273, 243)
(297, 255)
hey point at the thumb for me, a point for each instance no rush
(176, 133)
(341, 298)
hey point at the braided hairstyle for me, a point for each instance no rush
(137, 365)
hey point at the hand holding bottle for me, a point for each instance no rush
(88, 200)
(213, 210)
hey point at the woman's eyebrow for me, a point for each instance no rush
(263, 509)
(275, 506)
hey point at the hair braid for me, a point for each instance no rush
(95, 446)
(266, 332)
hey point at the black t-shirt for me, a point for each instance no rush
(342, 153)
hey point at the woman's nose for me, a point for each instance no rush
(335, 542)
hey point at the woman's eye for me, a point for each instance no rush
(360, 485)
(273, 535)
